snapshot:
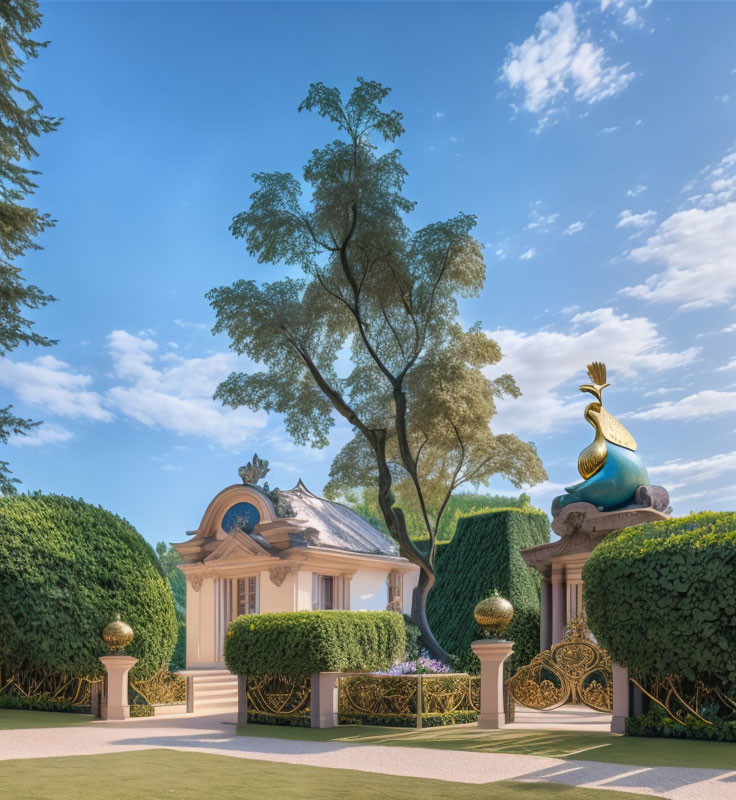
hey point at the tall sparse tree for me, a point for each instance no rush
(416, 395)
(21, 120)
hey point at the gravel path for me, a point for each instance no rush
(216, 735)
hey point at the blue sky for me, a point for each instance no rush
(596, 143)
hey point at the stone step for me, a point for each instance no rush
(214, 692)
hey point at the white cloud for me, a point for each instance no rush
(538, 221)
(438, 114)
(560, 61)
(529, 254)
(697, 250)
(546, 362)
(627, 219)
(175, 393)
(53, 386)
(636, 191)
(714, 185)
(679, 472)
(610, 130)
(574, 227)
(708, 403)
(47, 433)
(731, 365)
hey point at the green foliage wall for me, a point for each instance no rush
(66, 569)
(365, 504)
(661, 597)
(169, 560)
(485, 555)
(296, 644)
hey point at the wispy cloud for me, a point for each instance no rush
(636, 190)
(708, 403)
(627, 219)
(574, 227)
(174, 393)
(561, 61)
(696, 248)
(54, 387)
(546, 361)
(528, 254)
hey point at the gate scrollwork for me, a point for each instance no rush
(576, 670)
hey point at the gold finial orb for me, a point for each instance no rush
(118, 634)
(493, 614)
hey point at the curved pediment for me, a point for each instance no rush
(225, 507)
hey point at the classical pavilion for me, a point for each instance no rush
(244, 559)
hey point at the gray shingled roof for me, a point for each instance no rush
(336, 525)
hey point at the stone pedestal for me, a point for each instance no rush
(621, 699)
(115, 705)
(491, 655)
(242, 699)
(323, 703)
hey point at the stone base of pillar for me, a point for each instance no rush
(323, 702)
(618, 724)
(242, 699)
(115, 706)
(491, 654)
(621, 699)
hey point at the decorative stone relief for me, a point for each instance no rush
(278, 574)
(196, 582)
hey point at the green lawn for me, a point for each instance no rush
(589, 746)
(147, 774)
(13, 719)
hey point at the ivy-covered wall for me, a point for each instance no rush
(485, 554)
(661, 597)
(66, 569)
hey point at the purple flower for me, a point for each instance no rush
(424, 665)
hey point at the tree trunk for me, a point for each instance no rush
(419, 615)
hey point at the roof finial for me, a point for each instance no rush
(254, 471)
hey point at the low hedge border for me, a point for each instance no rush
(410, 720)
(291, 721)
(655, 723)
(299, 643)
(41, 703)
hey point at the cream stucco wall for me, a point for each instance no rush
(411, 579)
(201, 623)
(277, 598)
(368, 591)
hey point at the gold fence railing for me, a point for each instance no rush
(409, 700)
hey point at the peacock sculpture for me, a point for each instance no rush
(609, 466)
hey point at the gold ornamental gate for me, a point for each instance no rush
(576, 670)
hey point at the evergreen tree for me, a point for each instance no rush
(21, 120)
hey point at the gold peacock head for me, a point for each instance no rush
(597, 375)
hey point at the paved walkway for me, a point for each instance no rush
(216, 734)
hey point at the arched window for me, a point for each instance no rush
(244, 516)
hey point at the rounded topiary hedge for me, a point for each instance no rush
(661, 597)
(66, 569)
(297, 643)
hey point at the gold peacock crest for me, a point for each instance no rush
(607, 427)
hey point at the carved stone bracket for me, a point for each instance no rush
(279, 574)
(196, 582)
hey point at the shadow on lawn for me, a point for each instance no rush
(653, 779)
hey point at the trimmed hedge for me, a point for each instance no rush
(66, 569)
(41, 703)
(485, 555)
(657, 723)
(296, 644)
(660, 597)
(409, 720)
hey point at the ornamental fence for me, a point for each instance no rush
(407, 701)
